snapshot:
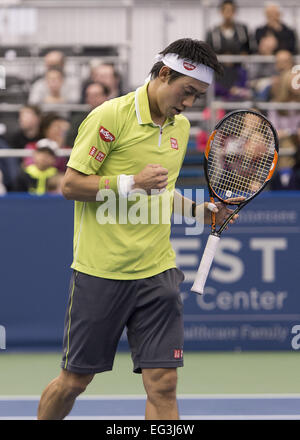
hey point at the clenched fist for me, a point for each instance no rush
(152, 177)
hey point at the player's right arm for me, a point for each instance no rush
(82, 187)
(97, 137)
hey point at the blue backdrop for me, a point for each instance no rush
(252, 298)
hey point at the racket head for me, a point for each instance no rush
(240, 156)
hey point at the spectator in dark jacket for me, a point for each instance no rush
(286, 37)
(230, 37)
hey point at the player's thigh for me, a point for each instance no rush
(155, 330)
(96, 316)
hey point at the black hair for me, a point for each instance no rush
(228, 2)
(106, 90)
(193, 50)
(47, 120)
(34, 108)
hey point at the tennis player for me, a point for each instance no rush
(124, 273)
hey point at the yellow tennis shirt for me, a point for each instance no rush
(115, 238)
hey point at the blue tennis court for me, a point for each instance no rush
(196, 407)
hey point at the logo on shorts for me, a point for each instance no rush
(178, 354)
(93, 151)
(174, 143)
(188, 66)
(100, 156)
(106, 135)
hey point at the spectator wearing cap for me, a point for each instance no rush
(33, 178)
(285, 36)
(230, 37)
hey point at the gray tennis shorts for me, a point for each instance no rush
(99, 310)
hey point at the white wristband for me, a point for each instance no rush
(125, 184)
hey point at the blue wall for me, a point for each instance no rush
(252, 298)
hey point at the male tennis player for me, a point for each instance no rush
(124, 274)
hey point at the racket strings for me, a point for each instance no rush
(241, 156)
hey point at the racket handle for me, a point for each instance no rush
(205, 264)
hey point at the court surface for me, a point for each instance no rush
(191, 407)
(211, 386)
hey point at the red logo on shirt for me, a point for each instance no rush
(178, 354)
(106, 135)
(188, 66)
(93, 151)
(174, 143)
(100, 156)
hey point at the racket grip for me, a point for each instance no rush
(205, 264)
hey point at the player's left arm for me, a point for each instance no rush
(202, 212)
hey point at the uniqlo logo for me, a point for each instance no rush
(178, 354)
(100, 156)
(174, 143)
(93, 151)
(106, 135)
(106, 186)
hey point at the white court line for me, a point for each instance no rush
(179, 396)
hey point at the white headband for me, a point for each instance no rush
(187, 67)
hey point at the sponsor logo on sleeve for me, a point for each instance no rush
(174, 143)
(100, 156)
(106, 135)
(93, 151)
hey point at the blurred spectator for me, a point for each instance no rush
(29, 127)
(267, 87)
(70, 89)
(203, 134)
(286, 37)
(9, 167)
(106, 74)
(233, 85)
(33, 178)
(230, 37)
(286, 121)
(54, 80)
(54, 184)
(2, 187)
(287, 176)
(95, 95)
(54, 127)
(261, 73)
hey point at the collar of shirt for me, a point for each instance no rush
(142, 108)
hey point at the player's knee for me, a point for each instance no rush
(160, 383)
(73, 384)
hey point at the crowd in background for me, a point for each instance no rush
(46, 132)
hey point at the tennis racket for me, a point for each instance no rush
(240, 158)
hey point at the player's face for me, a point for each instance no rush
(180, 94)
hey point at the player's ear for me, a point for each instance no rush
(164, 74)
